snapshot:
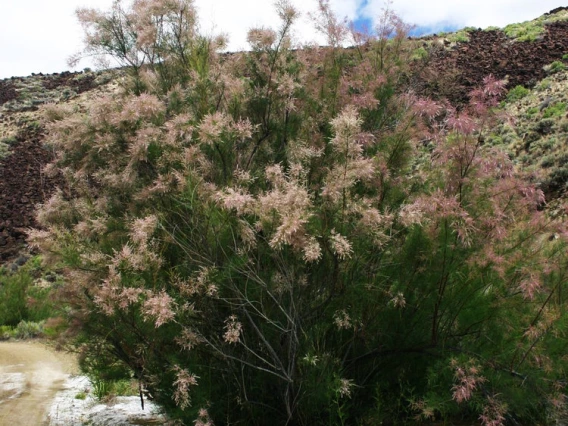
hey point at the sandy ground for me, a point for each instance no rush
(39, 386)
(30, 377)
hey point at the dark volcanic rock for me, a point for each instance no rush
(22, 187)
(453, 73)
(7, 91)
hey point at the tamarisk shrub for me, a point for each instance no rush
(303, 249)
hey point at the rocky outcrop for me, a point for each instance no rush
(23, 185)
(454, 72)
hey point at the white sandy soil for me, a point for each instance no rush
(39, 386)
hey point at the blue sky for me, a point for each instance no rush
(42, 40)
(362, 21)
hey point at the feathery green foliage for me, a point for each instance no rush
(265, 238)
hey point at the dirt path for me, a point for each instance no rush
(30, 376)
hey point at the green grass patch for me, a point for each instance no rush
(419, 54)
(526, 31)
(461, 36)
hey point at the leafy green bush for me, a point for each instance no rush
(283, 244)
(517, 93)
(28, 330)
(5, 332)
(13, 297)
(21, 299)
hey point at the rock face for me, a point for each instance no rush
(454, 72)
(23, 185)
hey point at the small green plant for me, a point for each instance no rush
(544, 126)
(13, 287)
(5, 332)
(555, 67)
(5, 146)
(125, 387)
(461, 36)
(8, 140)
(517, 93)
(28, 330)
(531, 111)
(556, 110)
(543, 84)
(419, 54)
(4, 150)
(21, 300)
(101, 388)
(81, 395)
(565, 57)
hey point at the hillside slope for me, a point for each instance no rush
(453, 66)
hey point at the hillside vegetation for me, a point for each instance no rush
(309, 236)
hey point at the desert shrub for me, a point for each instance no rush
(461, 36)
(558, 109)
(13, 288)
(282, 247)
(526, 31)
(517, 93)
(20, 298)
(5, 146)
(545, 126)
(419, 54)
(27, 330)
(532, 111)
(543, 84)
(5, 332)
(555, 67)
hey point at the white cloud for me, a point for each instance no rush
(39, 35)
(474, 13)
